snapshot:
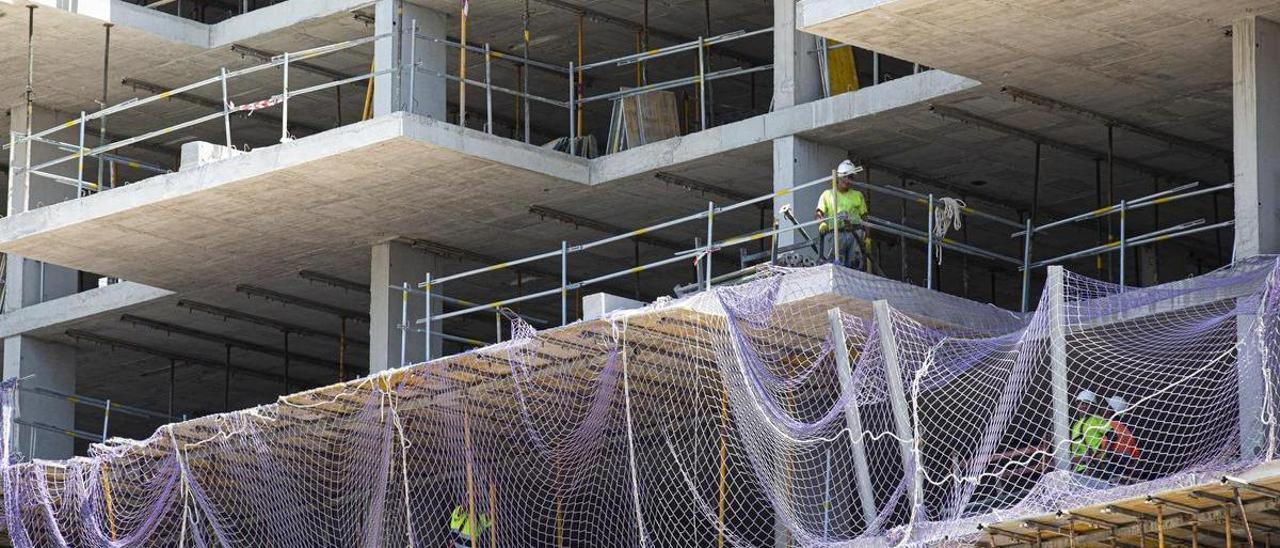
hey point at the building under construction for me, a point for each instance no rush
(548, 273)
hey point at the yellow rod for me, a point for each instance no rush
(368, 96)
(493, 515)
(106, 496)
(1160, 524)
(581, 36)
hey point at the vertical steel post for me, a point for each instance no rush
(80, 160)
(875, 67)
(488, 91)
(286, 362)
(833, 217)
(106, 419)
(413, 61)
(226, 387)
(102, 122)
(1111, 179)
(928, 277)
(698, 265)
(31, 96)
(404, 324)
(902, 240)
(711, 219)
(1124, 212)
(497, 324)
(564, 282)
(573, 113)
(284, 100)
(427, 326)
(462, 66)
(702, 83)
(1026, 265)
(173, 370)
(226, 109)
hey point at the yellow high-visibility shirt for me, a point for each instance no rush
(851, 202)
(459, 523)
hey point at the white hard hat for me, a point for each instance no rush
(847, 168)
(1117, 404)
(1087, 396)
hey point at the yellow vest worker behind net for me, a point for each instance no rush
(459, 524)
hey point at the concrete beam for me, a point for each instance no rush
(175, 329)
(86, 304)
(607, 228)
(122, 344)
(302, 302)
(703, 187)
(283, 327)
(814, 116)
(1082, 152)
(1019, 94)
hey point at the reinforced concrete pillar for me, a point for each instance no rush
(31, 282)
(44, 365)
(797, 161)
(1255, 46)
(796, 79)
(422, 92)
(394, 263)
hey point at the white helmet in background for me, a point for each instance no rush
(1117, 404)
(1087, 396)
(847, 168)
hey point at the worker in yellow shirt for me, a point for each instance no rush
(844, 208)
(462, 532)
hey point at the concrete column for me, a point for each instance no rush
(394, 92)
(796, 79)
(1256, 127)
(45, 365)
(392, 264)
(30, 282)
(797, 161)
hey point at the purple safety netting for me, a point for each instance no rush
(788, 409)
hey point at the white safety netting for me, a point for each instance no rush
(793, 410)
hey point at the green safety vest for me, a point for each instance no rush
(1087, 435)
(459, 523)
(851, 202)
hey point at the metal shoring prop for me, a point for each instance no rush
(929, 247)
(102, 124)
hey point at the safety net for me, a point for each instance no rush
(808, 407)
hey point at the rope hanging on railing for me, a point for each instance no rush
(947, 215)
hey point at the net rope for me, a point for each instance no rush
(809, 407)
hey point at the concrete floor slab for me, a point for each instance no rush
(270, 211)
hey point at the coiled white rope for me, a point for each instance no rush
(947, 216)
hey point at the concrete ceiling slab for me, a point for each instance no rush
(1130, 60)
